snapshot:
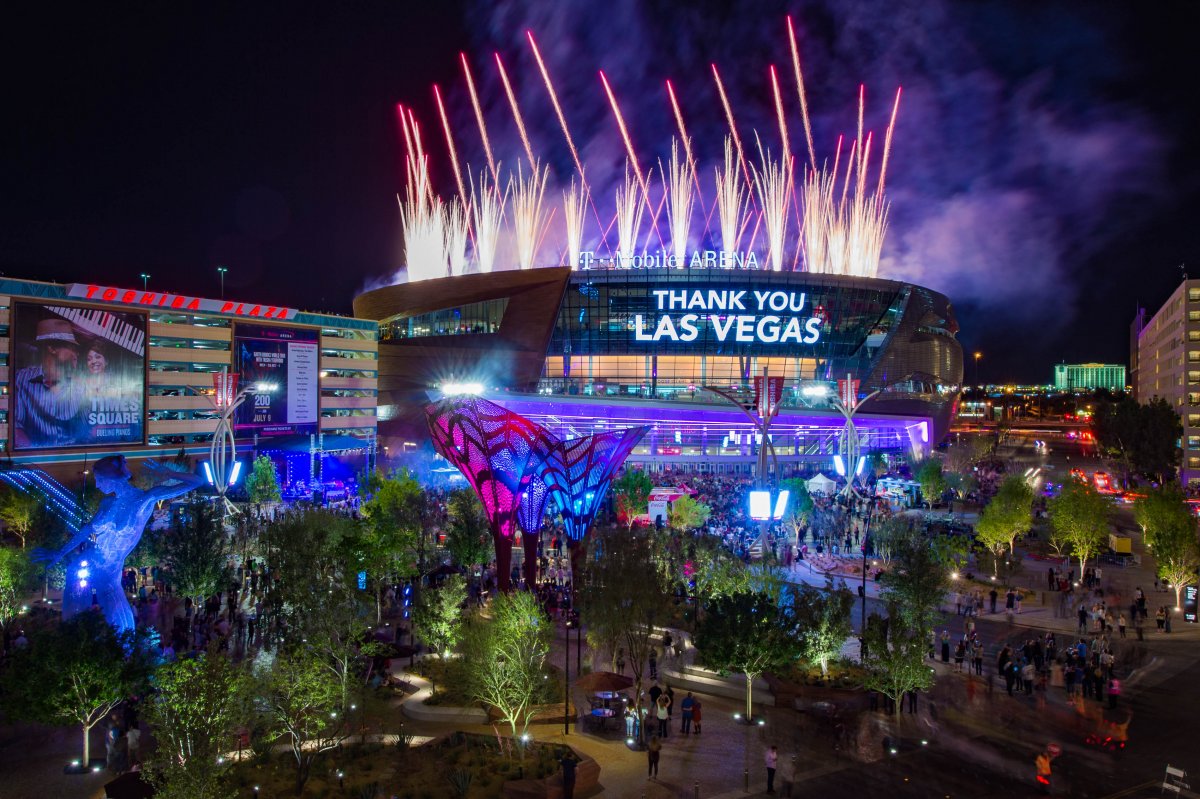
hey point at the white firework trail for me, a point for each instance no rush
(574, 204)
(629, 218)
(677, 193)
(421, 213)
(527, 195)
(731, 202)
(455, 229)
(773, 182)
(487, 214)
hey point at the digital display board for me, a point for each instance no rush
(79, 377)
(1189, 603)
(281, 367)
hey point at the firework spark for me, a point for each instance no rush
(487, 213)
(737, 140)
(483, 134)
(677, 194)
(808, 137)
(731, 203)
(573, 207)
(455, 229)
(887, 144)
(773, 180)
(687, 141)
(437, 95)
(527, 195)
(783, 133)
(421, 213)
(629, 219)
(512, 101)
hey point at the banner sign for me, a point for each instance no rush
(79, 377)
(741, 316)
(282, 367)
(181, 302)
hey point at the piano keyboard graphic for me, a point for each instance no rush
(106, 326)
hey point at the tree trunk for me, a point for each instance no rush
(1178, 589)
(378, 602)
(749, 697)
(87, 746)
(503, 562)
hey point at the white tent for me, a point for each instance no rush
(821, 485)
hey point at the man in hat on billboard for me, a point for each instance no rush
(47, 399)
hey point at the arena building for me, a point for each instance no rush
(91, 370)
(585, 350)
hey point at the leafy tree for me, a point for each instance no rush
(505, 657)
(1170, 534)
(918, 579)
(631, 491)
(750, 633)
(195, 551)
(933, 482)
(438, 615)
(301, 701)
(76, 673)
(18, 510)
(394, 514)
(688, 514)
(262, 484)
(194, 712)
(16, 571)
(621, 597)
(1007, 516)
(1079, 517)
(824, 618)
(468, 539)
(1144, 438)
(894, 657)
(800, 504)
(308, 548)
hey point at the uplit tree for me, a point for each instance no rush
(749, 633)
(933, 482)
(1170, 533)
(195, 551)
(16, 571)
(300, 701)
(438, 615)
(262, 484)
(1079, 517)
(1006, 517)
(631, 492)
(894, 657)
(18, 510)
(76, 673)
(919, 577)
(505, 658)
(688, 514)
(800, 504)
(824, 619)
(197, 705)
(389, 544)
(468, 539)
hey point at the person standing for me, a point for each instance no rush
(133, 740)
(661, 713)
(697, 718)
(993, 596)
(653, 750)
(568, 764)
(945, 646)
(772, 759)
(685, 708)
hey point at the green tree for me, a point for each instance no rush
(468, 539)
(300, 700)
(1007, 516)
(389, 544)
(18, 510)
(800, 504)
(1177, 557)
(933, 482)
(195, 551)
(919, 577)
(824, 619)
(76, 673)
(195, 710)
(894, 657)
(1156, 453)
(262, 484)
(16, 572)
(749, 633)
(1170, 533)
(1079, 517)
(1160, 510)
(688, 514)
(631, 492)
(438, 615)
(622, 597)
(505, 653)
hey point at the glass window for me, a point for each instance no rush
(473, 318)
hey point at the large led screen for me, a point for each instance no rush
(281, 366)
(79, 377)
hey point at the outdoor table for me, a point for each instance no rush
(603, 714)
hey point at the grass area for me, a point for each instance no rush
(461, 765)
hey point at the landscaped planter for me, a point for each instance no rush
(415, 708)
(587, 777)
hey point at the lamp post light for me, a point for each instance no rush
(978, 355)
(145, 279)
(221, 270)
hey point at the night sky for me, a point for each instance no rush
(1044, 173)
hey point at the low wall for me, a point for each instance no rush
(414, 707)
(587, 779)
(703, 681)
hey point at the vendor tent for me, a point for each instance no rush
(821, 485)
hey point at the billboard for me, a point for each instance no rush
(281, 367)
(79, 377)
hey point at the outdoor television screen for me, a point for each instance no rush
(79, 377)
(281, 366)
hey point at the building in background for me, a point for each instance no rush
(93, 370)
(1089, 376)
(1166, 349)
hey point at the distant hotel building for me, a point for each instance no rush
(1090, 376)
(1165, 354)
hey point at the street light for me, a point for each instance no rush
(978, 355)
(221, 270)
(145, 277)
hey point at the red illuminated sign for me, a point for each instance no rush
(155, 299)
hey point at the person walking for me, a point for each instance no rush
(653, 749)
(685, 708)
(1121, 625)
(1042, 764)
(697, 718)
(977, 657)
(772, 760)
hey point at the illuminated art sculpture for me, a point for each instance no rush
(517, 466)
(93, 574)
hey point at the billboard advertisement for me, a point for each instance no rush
(79, 377)
(281, 366)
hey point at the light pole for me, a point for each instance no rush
(145, 278)
(221, 270)
(978, 355)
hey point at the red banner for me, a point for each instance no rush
(224, 388)
(766, 401)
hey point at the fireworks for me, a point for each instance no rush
(840, 223)
(677, 189)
